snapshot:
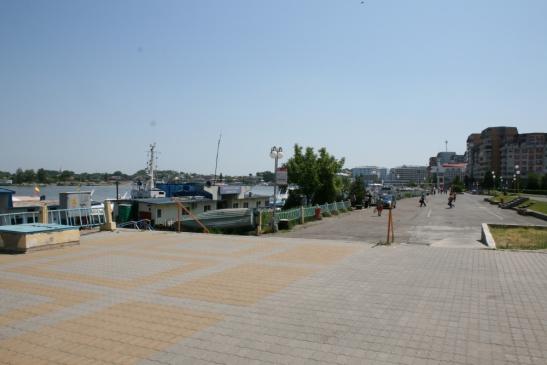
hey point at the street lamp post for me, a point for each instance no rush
(276, 153)
(517, 172)
(494, 178)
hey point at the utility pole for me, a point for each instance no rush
(445, 146)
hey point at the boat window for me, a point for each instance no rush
(206, 208)
(245, 205)
(235, 205)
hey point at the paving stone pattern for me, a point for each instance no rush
(167, 298)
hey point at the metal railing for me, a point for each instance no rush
(143, 224)
(9, 219)
(295, 214)
(78, 217)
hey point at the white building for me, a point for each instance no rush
(370, 174)
(165, 211)
(407, 174)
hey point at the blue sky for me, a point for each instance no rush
(87, 85)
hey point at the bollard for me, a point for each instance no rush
(42, 216)
(259, 224)
(302, 218)
(109, 224)
(318, 213)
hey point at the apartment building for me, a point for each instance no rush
(501, 149)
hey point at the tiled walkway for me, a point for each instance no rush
(167, 298)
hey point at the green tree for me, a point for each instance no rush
(29, 176)
(41, 176)
(267, 176)
(330, 183)
(488, 180)
(5, 175)
(532, 182)
(315, 175)
(457, 184)
(544, 182)
(357, 190)
(19, 176)
(66, 175)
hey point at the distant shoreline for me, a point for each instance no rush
(69, 184)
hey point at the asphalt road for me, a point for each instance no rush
(435, 225)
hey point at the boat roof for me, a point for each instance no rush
(167, 201)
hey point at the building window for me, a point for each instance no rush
(245, 205)
(258, 204)
(235, 205)
(158, 213)
(206, 208)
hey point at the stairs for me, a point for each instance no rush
(514, 203)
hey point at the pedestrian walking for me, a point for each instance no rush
(450, 199)
(379, 206)
(422, 201)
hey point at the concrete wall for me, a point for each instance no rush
(22, 242)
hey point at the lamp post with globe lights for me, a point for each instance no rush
(276, 153)
(517, 172)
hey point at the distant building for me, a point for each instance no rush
(528, 151)
(370, 174)
(408, 174)
(501, 149)
(445, 167)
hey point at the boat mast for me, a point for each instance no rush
(216, 161)
(151, 167)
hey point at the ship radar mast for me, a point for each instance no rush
(151, 167)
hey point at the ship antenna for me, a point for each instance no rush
(216, 161)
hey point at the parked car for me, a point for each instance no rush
(389, 201)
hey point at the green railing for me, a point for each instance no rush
(296, 214)
(290, 215)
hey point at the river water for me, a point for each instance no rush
(100, 192)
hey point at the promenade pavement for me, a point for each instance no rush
(166, 298)
(436, 224)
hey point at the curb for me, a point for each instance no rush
(539, 215)
(486, 236)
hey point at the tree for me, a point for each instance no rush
(315, 175)
(457, 184)
(330, 183)
(19, 177)
(66, 175)
(357, 191)
(29, 176)
(41, 176)
(532, 182)
(488, 180)
(267, 176)
(544, 182)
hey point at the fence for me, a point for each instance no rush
(79, 217)
(307, 212)
(9, 219)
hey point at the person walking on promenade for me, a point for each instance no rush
(379, 206)
(450, 200)
(422, 201)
